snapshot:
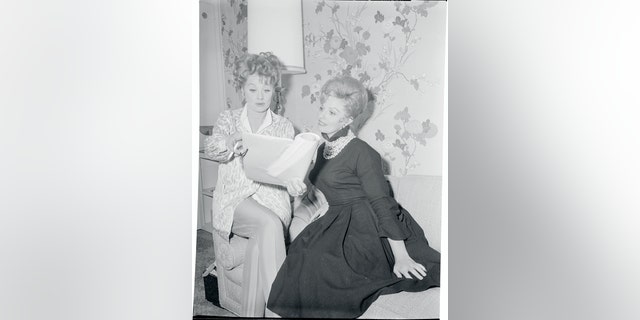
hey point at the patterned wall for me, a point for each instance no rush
(396, 49)
(234, 44)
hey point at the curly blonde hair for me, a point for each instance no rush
(265, 65)
(359, 101)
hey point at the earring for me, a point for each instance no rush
(349, 121)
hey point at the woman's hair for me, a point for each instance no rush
(359, 101)
(264, 64)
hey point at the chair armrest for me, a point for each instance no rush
(229, 254)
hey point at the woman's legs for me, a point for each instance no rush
(265, 252)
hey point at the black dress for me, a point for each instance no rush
(342, 262)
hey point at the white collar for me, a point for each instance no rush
(267, 121)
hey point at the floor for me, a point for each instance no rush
(204, 257)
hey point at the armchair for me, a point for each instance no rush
(229, 257)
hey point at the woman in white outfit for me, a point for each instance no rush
(260, 212)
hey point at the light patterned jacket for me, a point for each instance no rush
(233, 186)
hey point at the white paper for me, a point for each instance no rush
(275, 160)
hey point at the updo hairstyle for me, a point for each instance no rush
(359, 101)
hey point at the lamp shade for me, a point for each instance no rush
(276, 26)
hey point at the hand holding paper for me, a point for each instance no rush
(276, 160)
(296, 187)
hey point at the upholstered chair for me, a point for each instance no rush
(229, 258)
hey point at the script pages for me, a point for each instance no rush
(276, 160)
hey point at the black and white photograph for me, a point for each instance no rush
(320, 159)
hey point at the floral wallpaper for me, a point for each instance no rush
(234, 43)
(396, 48)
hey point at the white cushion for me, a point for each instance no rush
(421, 195)
(406, 305)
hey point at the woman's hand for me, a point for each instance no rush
(296, 187)
(234, 143)
(405, 267)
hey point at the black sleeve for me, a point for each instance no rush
(388, 213)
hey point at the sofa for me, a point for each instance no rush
(419, 194)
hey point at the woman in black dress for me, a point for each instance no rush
(365, 245)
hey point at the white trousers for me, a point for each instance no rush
(264, 256)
